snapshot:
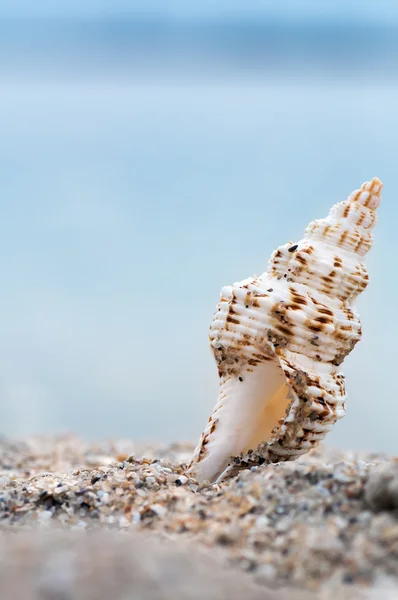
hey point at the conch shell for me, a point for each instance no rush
(279, 340)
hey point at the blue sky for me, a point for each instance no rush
(368, 10)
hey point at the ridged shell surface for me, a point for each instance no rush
(279, 340)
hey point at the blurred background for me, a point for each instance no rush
(150, 153)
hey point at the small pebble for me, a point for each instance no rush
(181, 480)
(159, 509)
(150, 480)
(381, 492)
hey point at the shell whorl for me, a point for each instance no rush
(349, 223)
(279, 339)
(329, 256)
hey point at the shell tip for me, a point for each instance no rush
(369, 194)
(374, 185)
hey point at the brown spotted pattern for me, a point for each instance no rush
(299, 317)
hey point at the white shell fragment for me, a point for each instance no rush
(279, 340)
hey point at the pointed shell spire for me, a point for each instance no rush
(279, 340)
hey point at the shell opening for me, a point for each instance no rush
(249, 408)
(274, 404)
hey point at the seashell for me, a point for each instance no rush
(279, 340)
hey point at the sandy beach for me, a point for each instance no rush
(73, 514)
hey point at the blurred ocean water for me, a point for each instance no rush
(142, 167)
(153, 47)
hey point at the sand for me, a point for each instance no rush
(80, 520)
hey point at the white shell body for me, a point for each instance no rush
(279, 340)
